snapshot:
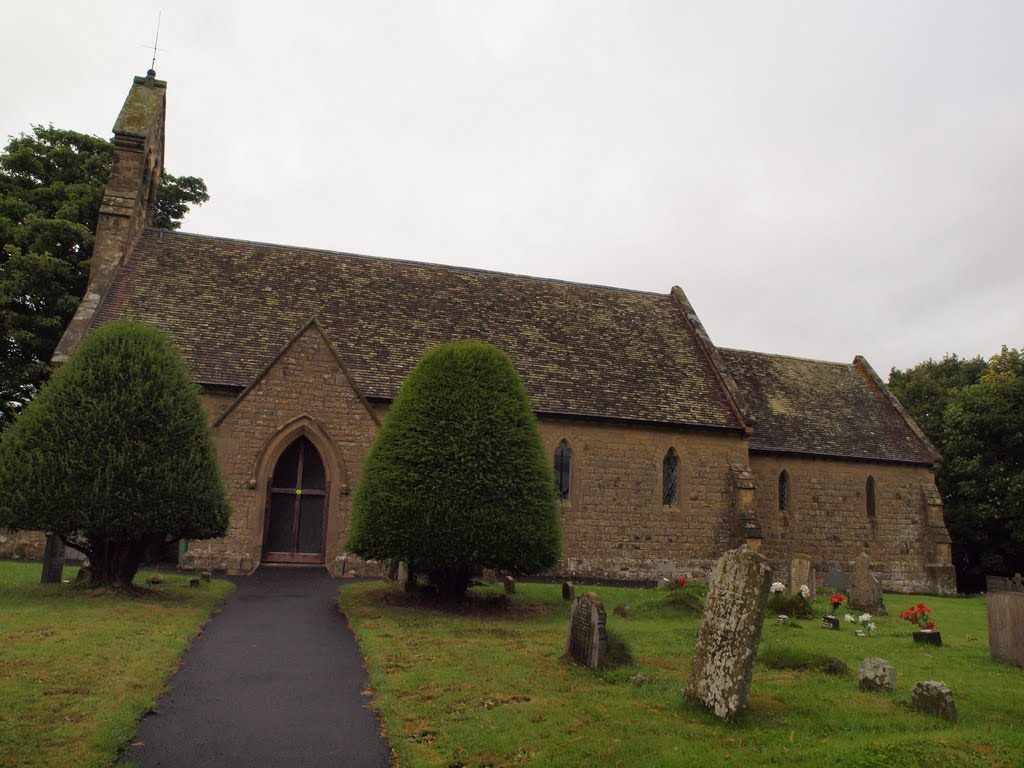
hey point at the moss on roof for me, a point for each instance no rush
(582, 350)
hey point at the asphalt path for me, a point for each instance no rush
(275, 679)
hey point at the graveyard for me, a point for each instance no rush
(490, 684)
(546, 674)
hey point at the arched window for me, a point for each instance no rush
(869, 496)
(670, 478)
(563, 470)
(784, 491)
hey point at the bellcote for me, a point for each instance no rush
(129, 200)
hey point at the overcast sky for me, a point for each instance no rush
(821, 179)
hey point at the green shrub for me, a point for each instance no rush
(458, 478)
(114, 454)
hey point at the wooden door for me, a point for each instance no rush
(296, 513)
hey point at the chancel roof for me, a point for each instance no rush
(821, 408)
(582, 350)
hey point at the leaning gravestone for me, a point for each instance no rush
(587, 638)
(723, 662)
(865, 588)
(801, 573)
(835, 579)
(1005, 601)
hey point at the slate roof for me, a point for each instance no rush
(815, 407)
(581, 350)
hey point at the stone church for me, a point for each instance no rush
(667, 450)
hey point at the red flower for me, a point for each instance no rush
(681, 582)
(836, 599)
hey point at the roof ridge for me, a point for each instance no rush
(348, 254)
(787, 357)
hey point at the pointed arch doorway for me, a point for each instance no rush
(295, 519)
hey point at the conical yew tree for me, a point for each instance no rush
(114, 453)
(458, 479)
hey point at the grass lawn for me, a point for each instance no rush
(487, 687)
(79, 667)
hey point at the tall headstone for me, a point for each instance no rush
(568, 590)
(1005, 600)
(801, 573)
(587, 639)
(865, 587)
(510, 585)
(730, 630)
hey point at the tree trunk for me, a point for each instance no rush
(114, 563)
(53, 560)
(452, 583)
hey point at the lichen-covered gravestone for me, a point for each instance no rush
(587, 639)
(801, 573)
(935, 698)
(876, 674)
(1005, 601)
(865, 587)
(723, 662)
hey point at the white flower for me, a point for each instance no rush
(850, 618)
(865, 617)
(860, 634)
(805, 591)
(777, 587)
(871, 626)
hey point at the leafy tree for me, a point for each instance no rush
(974, 413)
(458, 479)
(114, 454)
(983, 472)
(925, 389)
(51, 187)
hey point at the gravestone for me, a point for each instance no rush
(587, 639)
(622, 609)
(730, 630)
(489, 575)
(877, 674)
(1005, 601)
(510, 585)
(568, 590)
(835, 579)
(865, 587)
(801, 573)
(664, 583)
(935, 698)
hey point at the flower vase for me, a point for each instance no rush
(830, 622)
(928, 637)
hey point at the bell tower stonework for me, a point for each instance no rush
(130, 197)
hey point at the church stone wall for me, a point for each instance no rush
(827, 519)
(614, 524)
(304, 392)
